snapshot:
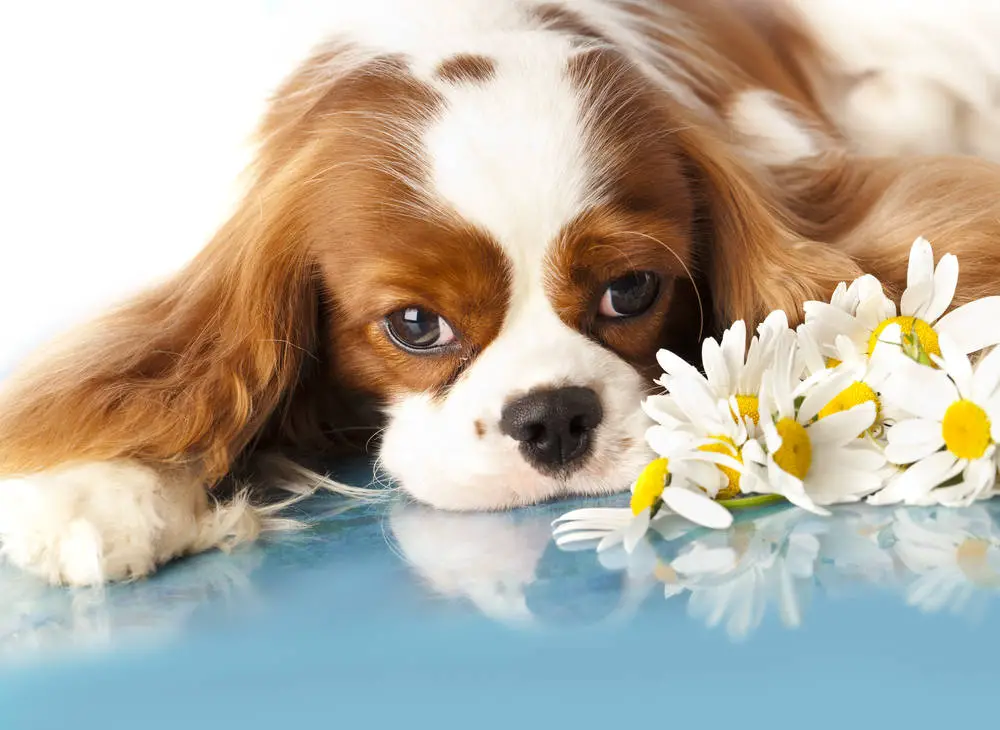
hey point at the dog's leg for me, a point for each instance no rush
(90, 523)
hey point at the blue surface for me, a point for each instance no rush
(392, 614)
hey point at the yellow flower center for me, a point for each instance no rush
(725, 445)
(832, 362)
(649, 486)
(966, 430)
(795, 454)
(926, 335)
(853, 395)
(749, 406)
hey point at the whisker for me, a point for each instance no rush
(687, 270)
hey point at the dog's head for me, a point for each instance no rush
(490, 246)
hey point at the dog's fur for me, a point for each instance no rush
(497, 162)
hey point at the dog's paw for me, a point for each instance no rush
(93, 523)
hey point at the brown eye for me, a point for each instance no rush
(629, 295)
(414, 328)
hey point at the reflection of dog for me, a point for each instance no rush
(507, 566)
(480, 220)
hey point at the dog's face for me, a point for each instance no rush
(503, 243)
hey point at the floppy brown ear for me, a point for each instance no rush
(184, 374)
(190, 372)
(754, 259)
(197, 369)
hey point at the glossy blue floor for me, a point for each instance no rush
(392, 614)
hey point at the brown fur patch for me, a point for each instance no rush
(563, 20)
(480, 428)
(645, 223)
(467, 68)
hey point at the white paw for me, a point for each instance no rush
(92, 523)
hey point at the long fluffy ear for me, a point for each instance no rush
(755, 261)
(190, 372)
(184, 374)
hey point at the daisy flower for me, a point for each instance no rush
(693, 408)
(811, 461)
(732, 370)
(921, 319)
(674, 484)
(949, 440)
(865, 374)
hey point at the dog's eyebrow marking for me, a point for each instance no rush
(480, 428)
(466, 68)
(563, 20)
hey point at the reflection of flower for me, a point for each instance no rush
(952, 557)
(775, 561)
(732, 577)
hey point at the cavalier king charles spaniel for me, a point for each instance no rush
(471, 225)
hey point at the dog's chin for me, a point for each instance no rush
(507, 481)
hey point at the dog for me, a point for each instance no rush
(471, 225)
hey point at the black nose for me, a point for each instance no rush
(553, 426)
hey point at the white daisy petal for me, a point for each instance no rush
(918, 390)
(674, 365)
(809, 350)
(613, 539)
(861, 456)
(734, 346)
(573, 538)
(972, 326)
(874, 307)
(592, 514)
(945, 281)
(822, 393)
(978, 477)
(843, 427)
(916, 299)
(918, 480)
(635, 530)
(696, 401)
(827, 321)
(912, 440)
(714, 363)
(697, 507)
(666, 441)
(702, 473)
(662, 409)
(752, 451)
(986, 379)
(957, 365)
(921, 263)
(792, 489)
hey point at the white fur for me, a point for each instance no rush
(926, 73)
(90, 523)
(510, 156)
(770, 131)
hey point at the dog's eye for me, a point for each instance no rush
(419, 329)
(630, 295)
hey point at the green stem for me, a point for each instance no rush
(757, 500)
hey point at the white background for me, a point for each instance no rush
(123, 130)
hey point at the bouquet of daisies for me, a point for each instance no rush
(860, 402)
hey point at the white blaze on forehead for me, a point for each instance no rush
(508, 155)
